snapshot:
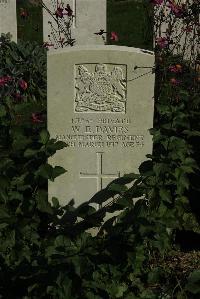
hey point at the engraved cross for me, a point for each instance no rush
(99, 175)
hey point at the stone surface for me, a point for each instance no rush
(8, 18)
(184, 39)
(102, 108)
(90, 17)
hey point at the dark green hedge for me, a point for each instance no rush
(46, 250)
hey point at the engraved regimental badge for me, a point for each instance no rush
(100, 90)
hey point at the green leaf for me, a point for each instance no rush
(119, 189)
(121, 289)
(44, 136)
(160, 168)
(48, 172)
(60, 145)
(148, 294)
(4, 182)
(3, 225)
(165, 195)
(184, 181)
(2, 111)
(181, 295)
(52, 146)
(3, 214)
(55, 202)
(15, 195)
(187, 169)
(107, 225)
(126, 179)
(3, 195)
(30, 153)
(57, 171)
(124, 202)
(90, 295)
(155, 275)
(42, 202)
(146, 168)
(130, 296)
(84, 210)
(134, 192)
(20, 142)
(102, 196)
(45, 171)
(191, 133)
(193, 284)
(191, 162)
(62, 241)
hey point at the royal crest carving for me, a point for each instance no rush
(100, 90)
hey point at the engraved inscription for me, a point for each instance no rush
(3, 1)
(100, 90)
(99, 175)
(101, 133)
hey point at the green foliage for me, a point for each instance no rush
(53, 251)
(29, 28)
(132, 21)
(193, 284)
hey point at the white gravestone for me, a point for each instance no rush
(89, 18)
(184, 37)
(8, 18)
(102, 108)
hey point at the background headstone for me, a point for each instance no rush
(8, 18)
(90, 17)
(130, 19)
(102, 107)
(184, 38)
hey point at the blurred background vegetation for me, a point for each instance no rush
(29, 22)
(130, 19)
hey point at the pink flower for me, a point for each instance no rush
(174, 81)
(114, 36)
(5, 80)
(47, 45)
(162, 42)
(157, 2)
(23, 84)
(23, 13)
(188, 29)
(2, 82)
(59, 12)
(36, 118)
(176, 9)
(175, 68)
(17, 96)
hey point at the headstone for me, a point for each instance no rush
(184, 39)
(100, 102)
(89, 18)
(8, 18)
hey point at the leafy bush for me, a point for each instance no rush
(47, 250)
